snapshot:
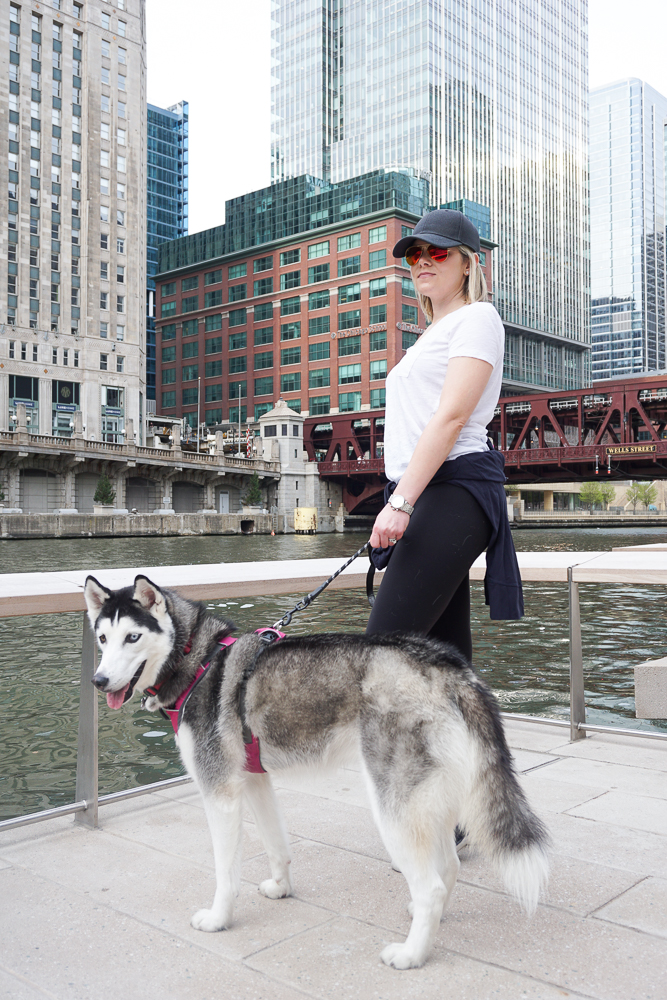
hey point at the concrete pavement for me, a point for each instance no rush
(105, 914)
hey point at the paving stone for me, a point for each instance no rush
(16, 987)
(80, 949)
(529, 736)
(525, 759)
(636, 812)
(574, 885)
(547, 795)
(616, 777)
(345, 785)
(335, 823)
(615, 750)
(340, 961)
(643, 907)
(606, 844)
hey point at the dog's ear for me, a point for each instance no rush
(95, 595)
(149, 595)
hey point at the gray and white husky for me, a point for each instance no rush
(426, 729)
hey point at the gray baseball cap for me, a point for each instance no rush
(443, 228)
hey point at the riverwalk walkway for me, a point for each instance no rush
(105, 913)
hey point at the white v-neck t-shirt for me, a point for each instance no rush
(415, 384)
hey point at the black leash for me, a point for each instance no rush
(309, 598)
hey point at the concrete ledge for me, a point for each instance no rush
(651, 689)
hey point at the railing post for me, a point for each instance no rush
(577, 697)
(87, 755)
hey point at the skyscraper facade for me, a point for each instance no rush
(73, 228)
(628, 122)
(166, 204)
(488, 99)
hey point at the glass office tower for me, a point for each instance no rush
(628, 135)
(167, 206)
(488, 99)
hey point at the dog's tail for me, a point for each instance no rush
(497, 816)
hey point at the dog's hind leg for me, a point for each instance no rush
(224, 814)
(262, 801)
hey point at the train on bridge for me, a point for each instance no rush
(615, 429)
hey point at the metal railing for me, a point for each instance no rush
(87, 798)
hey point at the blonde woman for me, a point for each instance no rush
(446, 502)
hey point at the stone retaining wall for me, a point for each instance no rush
(119, 525)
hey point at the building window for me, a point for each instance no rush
(168, 375)
(238, 390)
(104, 160)
(349, 242)
(263, 336)
(168, 354)
(238, 341)
(122, 28)
(349, 265)
(319, 378)
(237, 317)
(122, 56)
(213, 277)
(120, 363)
(290, 382)
(318, 273)
(120, 218)
(290, 356)
(234, 414)
(188, 284)
(213, 369)
(168, 399)
(190, 304)
(378, 369)
(263, 360)
(290, 279)
(408, 340)
(290, 306)
(65, 356)
(104, 301)
(76, 359)
(104, 330)
(377, 314)
(409, 314)
(121, 109)
(349, 320)
(169, 289)
(120, 303)
(377, 235)
(290, 331)
(54, 355)
(378, 397)
(190, 327)
(104, 240)
(406, 231)
(262, 264)
(407, 288)
(290, 257)
(212, 393)
(377, 286)
(377, 341)
(319, 405)
(318, 300)
(349, 402)
(120, 191)
(348, 374)
(190, 373)
(120, 274)
(264, 386)
(212, 323)
(190, 396)
(190, 350)
(319, 351)
(12, 348)
(318, 250)
(104, 362)
(169, 332)
(377, 258)
(106, 21)
(349, 345)
(213, 345)
(264, 286)
(120, 136)
(237, 271)
(34, 352)
(120, 332)
(104, 270)
(237, 365)
(319, 324)
(349, 293)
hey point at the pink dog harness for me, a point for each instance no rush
(253, 763)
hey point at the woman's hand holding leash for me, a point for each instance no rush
(390, 525)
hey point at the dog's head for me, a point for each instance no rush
(135, 633)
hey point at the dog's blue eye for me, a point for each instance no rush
(134, 637)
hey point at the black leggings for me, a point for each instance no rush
(426, 587)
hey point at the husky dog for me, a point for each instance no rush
(426, 728)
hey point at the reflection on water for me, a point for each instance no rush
(525, 662)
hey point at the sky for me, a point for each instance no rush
(216, 54)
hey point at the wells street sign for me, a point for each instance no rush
(631, 449)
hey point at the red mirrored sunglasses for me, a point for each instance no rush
(435, 253)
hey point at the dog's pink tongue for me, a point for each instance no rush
(115, 698)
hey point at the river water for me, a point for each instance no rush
(525, 662)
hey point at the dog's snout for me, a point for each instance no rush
(100, 681)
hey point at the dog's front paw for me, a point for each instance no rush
(151, 704)
(399, 956)
(275, 890)
(209, 920)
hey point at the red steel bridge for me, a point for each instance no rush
(614, 429)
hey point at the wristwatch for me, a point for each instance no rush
(400, 503)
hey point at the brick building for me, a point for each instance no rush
(317, 318)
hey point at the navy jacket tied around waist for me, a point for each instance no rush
(482, 474)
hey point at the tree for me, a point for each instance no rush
(104, 494)
(607, 493)
(253, 497)
(633, 495)
(590, 493)
(648, 493)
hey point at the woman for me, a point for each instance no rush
(446, 498)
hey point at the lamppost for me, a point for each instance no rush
(198, 411)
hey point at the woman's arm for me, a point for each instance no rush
(465, 382)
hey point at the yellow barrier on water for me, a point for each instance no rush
(305, 519)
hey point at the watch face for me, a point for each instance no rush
(396, 500)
